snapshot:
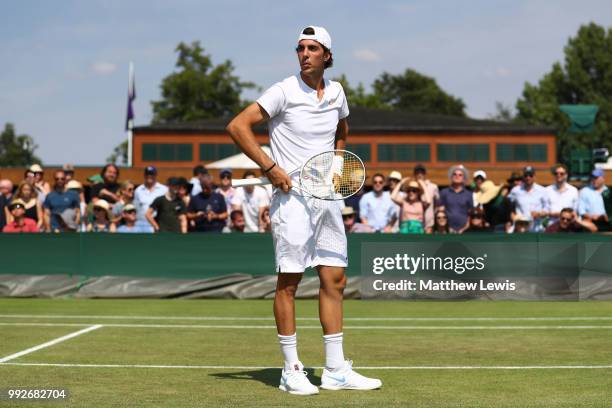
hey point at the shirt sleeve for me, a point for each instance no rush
(273, 101)
(155, 204)
(583, 204)
(237, 198)
(344, 109)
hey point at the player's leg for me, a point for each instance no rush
(331, 258)
(289, 233)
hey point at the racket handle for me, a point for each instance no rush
(261, 181)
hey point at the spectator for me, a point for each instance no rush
(109, 188)
(266, 223)
(515, 180)
(440, 222)
(236, 222)
(40, 184)
(252, 200)
(226, 189)
(569, 222)
(376, 208)
(61, 207)
(19, 223)
(184, 191)
(457, 200)
(591, 202)
(412, 206)
(208, 209)
(350, 225)
(69, 172)
(103, 218)
(561, 194)
(420, 174)
(33, 207)
(199, 172)
(30, 177)
(77, 188)
(126, 196)
(392, 181)
(145, 194)
(128, 221)
(6, 189)
(167, 212)
(477, 221)
(530, 200)
(3, 205)
(521, 224)
(496, 206)
(479, 177)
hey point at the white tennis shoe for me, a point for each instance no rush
(347, 379)
(294, 381)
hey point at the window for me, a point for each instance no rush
(463, 152)
(214, 151)
(168, 152)
(521, 152)
(404, 152)
(363, 150)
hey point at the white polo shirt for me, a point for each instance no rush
(300, 124)
(250, 205)
(568, 198)
(143, 197)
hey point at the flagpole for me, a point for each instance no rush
(130, 121)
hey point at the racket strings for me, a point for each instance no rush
(320, 178)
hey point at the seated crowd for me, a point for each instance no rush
(395, 204)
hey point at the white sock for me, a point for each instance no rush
(288, 345)
(334, 355)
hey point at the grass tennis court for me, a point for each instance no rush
(225, 353)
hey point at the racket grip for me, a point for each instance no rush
(261, 181)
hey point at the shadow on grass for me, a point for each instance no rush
(267, 376)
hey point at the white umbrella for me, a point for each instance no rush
(237, 161)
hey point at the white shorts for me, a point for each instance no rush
(307, 232)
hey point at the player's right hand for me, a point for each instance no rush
(279, 179)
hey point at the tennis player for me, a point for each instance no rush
(306, 115)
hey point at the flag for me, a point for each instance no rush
(129, 121)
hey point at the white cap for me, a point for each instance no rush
(395, 175)
(320, 35)
(480, 173)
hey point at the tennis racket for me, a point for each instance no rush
(330, 175)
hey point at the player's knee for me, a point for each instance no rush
(335, 284)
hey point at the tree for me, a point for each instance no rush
(199, 89)
(359, 97)
(120, 152)
(16, 150)
(503, 113)
(584, 78)
(415, 92)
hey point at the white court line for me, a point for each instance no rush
(49, 343)
(222, 367)
(259, 327)
(236, 318)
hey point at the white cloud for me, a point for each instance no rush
(365, 54)
(103, 68)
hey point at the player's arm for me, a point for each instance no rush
(341, 133)
(241, 131)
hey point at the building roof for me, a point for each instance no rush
(364, 120)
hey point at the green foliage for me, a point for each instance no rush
(120, 152)
(585, 77)
(410, 91)
(198, 89)
(415, 92)
(16, 150)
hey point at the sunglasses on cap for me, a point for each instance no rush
(12, 207)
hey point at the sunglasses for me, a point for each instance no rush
(378, 182)
(348, 216)
(528, 175)
(99, 209)
(412, 190)
(560, 173)
(225, 176)
(130, 212)
(568, 219)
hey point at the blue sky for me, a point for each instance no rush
(64, 63)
